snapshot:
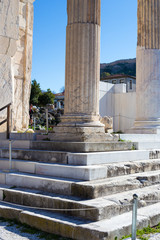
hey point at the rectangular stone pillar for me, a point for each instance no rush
(9, 15)
(23, 66)
(148, 68)
(16, 33)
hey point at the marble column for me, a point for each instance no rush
(81, 113)
(148, 68)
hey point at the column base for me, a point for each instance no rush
(82, 132)
(146, 127)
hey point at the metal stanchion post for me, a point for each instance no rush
(34, 123)
(10, 155)
(47, 119)
(134, 216)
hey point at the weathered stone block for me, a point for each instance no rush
(9, 15)
(19, 58)
(6, 80)
(18, 71)
(108, 123)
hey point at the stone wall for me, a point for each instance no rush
(16, 30)
(119, 104)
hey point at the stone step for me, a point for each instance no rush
(86, 173)
(81, 146)
(106, 187)
(38, 182)
(24, 144)
(70, 227)
(143, 141)
(35, 155)
(126, 168)
(22, 136)
(94, 210)
(68, 146)
(147, 145)
(79, 159)
(82, 189)
(107, 157)
(140, 137)
(154, 154)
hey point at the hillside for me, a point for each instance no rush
(125, 66)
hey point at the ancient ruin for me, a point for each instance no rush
(84, 189)
(81, 119)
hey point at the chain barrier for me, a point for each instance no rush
(134, 205)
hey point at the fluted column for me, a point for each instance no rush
(82, 61)
(148, 67)
(81, 113)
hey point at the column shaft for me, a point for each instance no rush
(80, 122)
(148, 67)
(82, 61)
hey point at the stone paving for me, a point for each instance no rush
(11, 231)
(155, 236)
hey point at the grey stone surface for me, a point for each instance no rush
(80, 146)
(36, 155)
(83, 189)
(155, 236)
(107, 157)
(80, 230)
(97, 209)
(8, 232)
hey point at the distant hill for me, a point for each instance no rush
(125, 66)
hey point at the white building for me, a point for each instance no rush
(130, 81)
(116, 102)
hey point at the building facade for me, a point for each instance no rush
(130, 81)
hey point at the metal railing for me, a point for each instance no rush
(7, 119)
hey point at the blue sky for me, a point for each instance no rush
(118, 37)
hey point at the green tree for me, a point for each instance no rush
(105, 74)
(35, 92)
(46, 98)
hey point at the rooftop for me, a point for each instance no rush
(118, 76)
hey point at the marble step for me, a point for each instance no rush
(68, 146)
(79, 158)
(86, 159)
(81, 146)
(143, 141)
(37, 182)
(108, 229)
(94, 210)
(35, 155)
(140, 137)
(147, 145)
(106, 187)
(24, 144)
(82, 189)
(86, 173)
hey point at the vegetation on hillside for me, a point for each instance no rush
(127, 67)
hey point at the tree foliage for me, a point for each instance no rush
(35, 92)
(38, 97)
(46, 98)
(105, 74)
